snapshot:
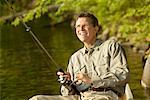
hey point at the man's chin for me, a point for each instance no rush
(83, 40)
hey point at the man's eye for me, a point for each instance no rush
(81, 26)
(86, 25)
(77, 26)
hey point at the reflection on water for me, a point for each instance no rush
(26, 71)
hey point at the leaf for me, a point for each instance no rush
(16, 22)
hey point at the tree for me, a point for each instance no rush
(126, 19)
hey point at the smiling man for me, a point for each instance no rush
(86, 30)
(105, 71)
(98, 71)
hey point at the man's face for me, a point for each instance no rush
(85, 30)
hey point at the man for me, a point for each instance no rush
(99, 70)
(105, 63)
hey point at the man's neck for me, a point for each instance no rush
(89, 44)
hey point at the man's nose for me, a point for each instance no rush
(81, 28)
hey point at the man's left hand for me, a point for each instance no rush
(84, 77)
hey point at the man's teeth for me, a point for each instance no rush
(82, 33)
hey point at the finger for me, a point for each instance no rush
(60, 73)
(68, 76)
(79, 76)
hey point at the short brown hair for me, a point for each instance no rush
(94, 20)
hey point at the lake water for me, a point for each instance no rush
(26, 71)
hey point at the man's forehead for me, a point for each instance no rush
(83, 19)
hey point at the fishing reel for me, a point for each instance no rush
(62, 79)
(71, 85)
(68, 84)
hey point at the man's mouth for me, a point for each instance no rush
(83, 33)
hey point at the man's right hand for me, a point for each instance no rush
(64, 74)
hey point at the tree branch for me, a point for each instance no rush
(12, 16)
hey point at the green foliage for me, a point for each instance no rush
(128, 18)
(136, 24)
(16, 22)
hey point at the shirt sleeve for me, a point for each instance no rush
(118, 73)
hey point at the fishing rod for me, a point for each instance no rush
(37, 41)
(62, 79)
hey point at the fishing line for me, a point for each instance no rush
(37, 41)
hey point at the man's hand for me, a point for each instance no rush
(84, 77)
(66, 75)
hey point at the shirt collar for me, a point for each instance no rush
(86, 50)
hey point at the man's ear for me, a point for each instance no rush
(97, 28)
